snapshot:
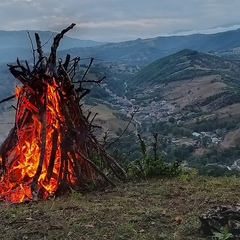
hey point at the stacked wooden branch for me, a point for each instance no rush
(51, 147)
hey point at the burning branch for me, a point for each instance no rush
(51, 147)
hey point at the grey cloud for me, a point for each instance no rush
(116, 20)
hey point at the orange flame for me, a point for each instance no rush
(18, 91)
(23, 160)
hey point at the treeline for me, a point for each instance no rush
(209, 125)
(166, 128)
(215, 155)
(214, 162)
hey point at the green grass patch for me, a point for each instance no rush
(154, 209)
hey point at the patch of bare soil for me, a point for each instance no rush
(229, 111)
(108, 122)
(199, 151)
(183, 93)
(232, 139)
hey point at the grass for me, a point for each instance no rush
(157, 209)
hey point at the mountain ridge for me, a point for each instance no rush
(15, 44)
(145, 51)
(133, 52)
(13, 38)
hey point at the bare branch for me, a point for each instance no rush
(52, 58)
(93, 119)
(27, 65)
(90, 64)
(39, 47)
(33, 50)
(91, 81)
(123, 132)
(48, 40)
(72, 70)
(7, 99)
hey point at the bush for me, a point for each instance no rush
(152, 165)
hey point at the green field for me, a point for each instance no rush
(157, 209)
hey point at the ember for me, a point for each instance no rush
(50, 147)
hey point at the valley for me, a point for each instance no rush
(191, 99)
(194, 112)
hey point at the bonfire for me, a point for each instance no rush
(52, 149)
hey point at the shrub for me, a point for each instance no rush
(152, 165)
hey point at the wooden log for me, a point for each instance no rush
(34, 185)
(96, 169)
(114, 166)
(29, 105)
(53, 155)
(61, 185)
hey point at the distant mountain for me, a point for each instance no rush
(15, 44)
(217, 29)
(145, 51)
(137, 52)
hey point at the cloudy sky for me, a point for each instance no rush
(118, 20)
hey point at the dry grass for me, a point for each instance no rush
(157, 209)
(232, 139)
(231, 110)
(108, 122)
(188, 92)
(103, 111)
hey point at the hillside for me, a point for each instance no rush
(187, 78)
(156, 209)
(145, 51)
(186, 64)
(192, 100)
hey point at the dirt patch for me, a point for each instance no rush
(232, 139)
(229, 111)
(200, 151)
(108, 122)
(103, 111)
(183, 93)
